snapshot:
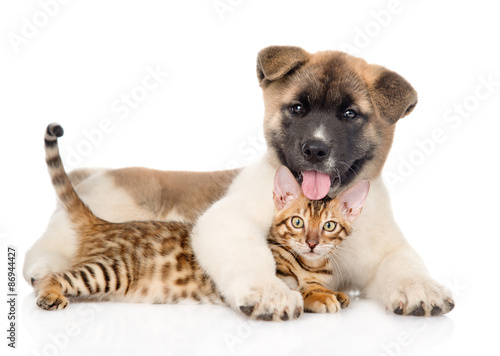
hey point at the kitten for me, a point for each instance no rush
(153, 262)
(304, 236)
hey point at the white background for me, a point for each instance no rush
(78, 63)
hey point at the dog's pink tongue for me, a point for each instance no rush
(315, 185)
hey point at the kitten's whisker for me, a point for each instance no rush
(344, 253)
(340, 257)
(337, 267)
(354, 254)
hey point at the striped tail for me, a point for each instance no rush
(77, 211)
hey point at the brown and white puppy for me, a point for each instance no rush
(329, 118)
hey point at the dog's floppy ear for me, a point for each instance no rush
(393, 96)
(275, 61)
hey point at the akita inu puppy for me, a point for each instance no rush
(330, 118)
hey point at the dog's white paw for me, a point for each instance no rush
(40, 266)
(419, 297)
(271, 301)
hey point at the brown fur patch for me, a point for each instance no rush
(276, 61)
(189, 193)
(79, 175)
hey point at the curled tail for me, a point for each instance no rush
(77, 211)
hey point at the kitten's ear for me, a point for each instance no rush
(286, 188)
(353, 199)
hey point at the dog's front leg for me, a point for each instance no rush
(403, 284)
(229, 241)
(386, 267)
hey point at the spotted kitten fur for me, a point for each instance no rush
(153, 262)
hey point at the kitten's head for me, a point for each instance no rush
(311, 228)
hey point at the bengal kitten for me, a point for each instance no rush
(153, 262)
(304, 236)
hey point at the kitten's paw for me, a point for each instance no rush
(325, 302)
(343, 299)
(420, 297)
(271, 301)
(52, 301)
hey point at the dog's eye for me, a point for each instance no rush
(297, 109)
(350, 114)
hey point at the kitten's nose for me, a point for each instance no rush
(312, 245)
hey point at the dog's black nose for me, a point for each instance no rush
(315, 151)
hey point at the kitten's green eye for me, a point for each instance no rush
(330, 226)
(297, 222)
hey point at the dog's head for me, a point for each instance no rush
(330, 117)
